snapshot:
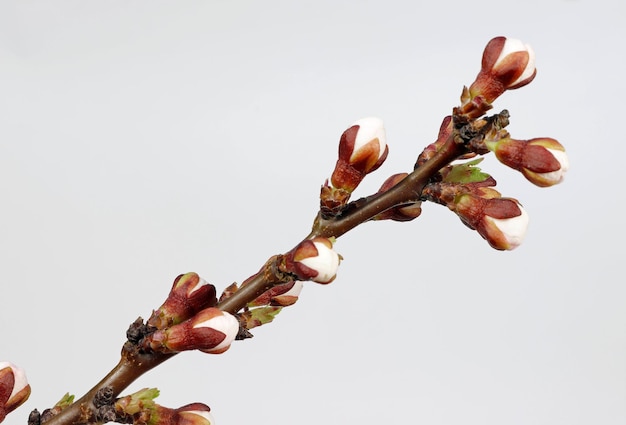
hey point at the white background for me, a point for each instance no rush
(144, 139)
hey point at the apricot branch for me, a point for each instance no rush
(193, 318)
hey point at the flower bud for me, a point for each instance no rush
(502, 222)
(542, 161)
(211, 331)
(14, 388)
(362, 149)
(189, 294)
(507, 64)
(313, 259)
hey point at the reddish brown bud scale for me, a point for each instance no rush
(533, 158)
(7, 381)
(279, 295)
(368, 158)
(346, 142)
(304, 250)
(193, 414)
(289, 297)
(185, 337)
(492, 52)
(536, 160)
(509, 68)
(501, 208)
(345, 176)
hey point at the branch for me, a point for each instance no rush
(185, 321)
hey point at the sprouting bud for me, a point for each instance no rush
(362, 149)
(502, 222)
(258, 316)
(141, 409)
(282, 295)
(211, 331)
(507, 64)
(14, 388)
(405, 212)
(189, 295)
(542, 161)
(137, 403)
(313, 259)
(332, 200)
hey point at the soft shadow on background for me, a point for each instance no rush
(140, 140)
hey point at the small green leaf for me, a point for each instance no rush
(137, 402)
(260, 316)
(65, 401)
(466, 173)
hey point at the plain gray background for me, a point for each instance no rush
(144, 139)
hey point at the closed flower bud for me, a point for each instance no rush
(14, 388)
(189, 294)
(211, 331)
(313, 259)
(502, 222)
(362, 149)
(507, 64)
(542, 161)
